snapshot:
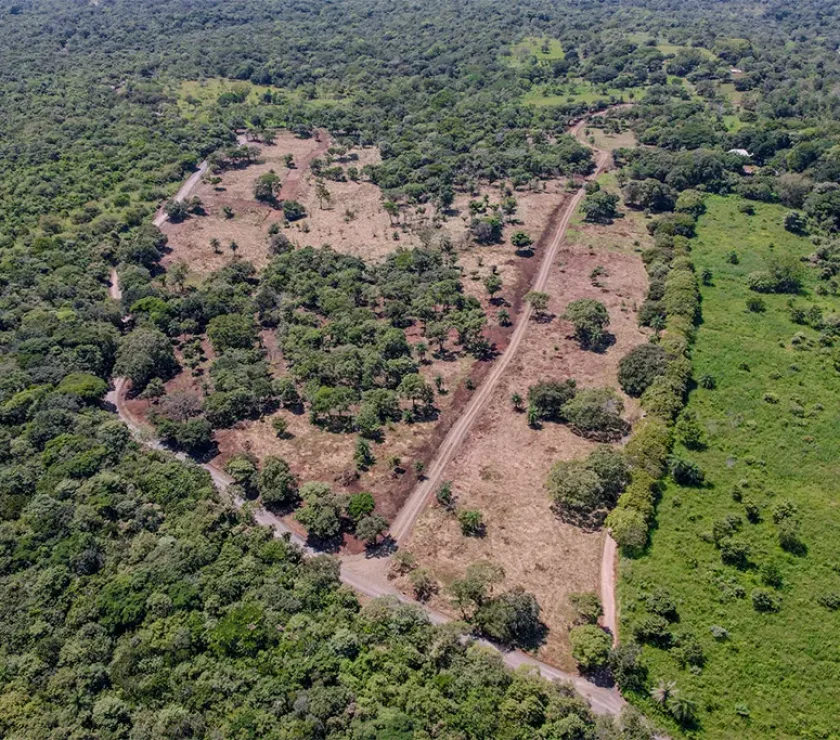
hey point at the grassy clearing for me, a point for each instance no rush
(772, 427)
(197, 98)
(543, 48)
(576, 91)
(667, 48)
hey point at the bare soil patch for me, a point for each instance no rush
(503, 464)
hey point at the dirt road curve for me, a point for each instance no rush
(190, 184)
(602, 700)
(416, 503)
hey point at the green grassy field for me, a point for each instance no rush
(772, 426)
(533, 46)
(575, 91)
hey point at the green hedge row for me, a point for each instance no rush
(675, 293)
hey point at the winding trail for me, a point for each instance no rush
(354, 574)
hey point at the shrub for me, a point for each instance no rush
(590, 319)
(360, 505)
(293, 210)
(549, 397)
(783, 274)
(587, 604)
(596, 412)
(472, 522)
(640, 367)
(685, 472)
(590, 646)
(764, 601)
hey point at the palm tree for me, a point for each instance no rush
(681, 708)
(664, 691)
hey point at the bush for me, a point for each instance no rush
(590, 319)
(685, 472)
(276, 482)
(549, 397)
(590, 646)
(629, 528)
(640, 367)
(596, 413)
(472, 522)
(782, 275)
(764, 601)
(360, 505)
(587, 604)
(586, 486)
(293, 210)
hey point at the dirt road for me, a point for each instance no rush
(416, 503)
(190, 184)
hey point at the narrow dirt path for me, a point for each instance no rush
(609, 619)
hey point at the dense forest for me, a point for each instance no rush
(137, 602)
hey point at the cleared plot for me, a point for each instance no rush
(502, 467)
(190, 241)
(771, 428)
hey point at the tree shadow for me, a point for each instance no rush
(382, 549)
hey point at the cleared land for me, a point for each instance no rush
(771, 427)
(502, 466)
(355, 222)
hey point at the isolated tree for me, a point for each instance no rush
(216, 245)
(321, 514)
(590, 319)
(471, 591)
(596, 413)
(175, 210)
(548, 398)
(512, 618)
(322, 193)
(493, 284)
(276, 482)
(600, 207)
(538, 301)
(521, 240)
(423, 584)
(472, 522)
(266, 187)
(360, 505)
(371, 527)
